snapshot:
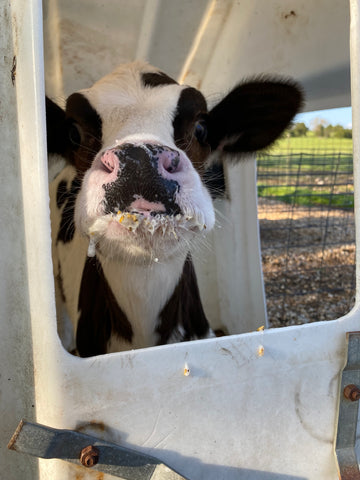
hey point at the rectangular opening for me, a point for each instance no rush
(306, 216)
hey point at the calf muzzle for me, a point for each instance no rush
(143, 178)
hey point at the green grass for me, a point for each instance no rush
(305, 162)
(320, 145)
(308, 166)
(306, 196)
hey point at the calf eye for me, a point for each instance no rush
(75, 134)
(201, 132)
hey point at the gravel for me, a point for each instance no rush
(308, 258)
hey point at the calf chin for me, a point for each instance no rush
(133, 198)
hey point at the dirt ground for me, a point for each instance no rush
(308, 258)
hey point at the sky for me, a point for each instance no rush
(334, 116)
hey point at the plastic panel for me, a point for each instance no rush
(255, 406)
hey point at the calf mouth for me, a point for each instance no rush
(161, 224)
(148, 231)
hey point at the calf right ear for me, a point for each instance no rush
(253, 115)
(56, 128)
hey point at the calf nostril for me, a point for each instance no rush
(175, 162)
(172, 161)
(109, 160)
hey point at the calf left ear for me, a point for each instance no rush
(253, 115)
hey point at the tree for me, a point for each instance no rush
(328, 131)
(299, 130)
(318, 126)
(322, 128)
(319, 130)
(338, 131)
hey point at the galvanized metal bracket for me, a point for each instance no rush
(348, 412)
(91, 452)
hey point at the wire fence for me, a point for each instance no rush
(307, 231)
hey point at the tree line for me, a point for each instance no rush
(320, 128)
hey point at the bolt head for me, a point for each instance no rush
(89, 456)
(352, 392)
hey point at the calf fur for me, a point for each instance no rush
(132, 199)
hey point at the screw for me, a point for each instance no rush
(89, 456)
(352, 392)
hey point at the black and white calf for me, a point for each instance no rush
(132, 199)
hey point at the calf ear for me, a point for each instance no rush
(253, 115)
(56, 131)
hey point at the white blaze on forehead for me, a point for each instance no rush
(127, 107)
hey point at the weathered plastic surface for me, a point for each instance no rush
(16, 359)
(257, 406)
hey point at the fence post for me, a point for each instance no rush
(355, 101)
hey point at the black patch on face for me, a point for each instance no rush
(156, 79)
(67, 197)
(84, 131)
(191, 112)
(139, 176)
(190, 105)
(184, 309)
(100, 315)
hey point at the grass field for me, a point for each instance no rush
(308, 171)
(307, 197)
(311, 143)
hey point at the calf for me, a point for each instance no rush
(132, 199)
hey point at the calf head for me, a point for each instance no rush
(140, 142)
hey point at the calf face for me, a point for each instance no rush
(137, 144)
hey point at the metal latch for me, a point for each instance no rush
(348, 412)
(91, 452)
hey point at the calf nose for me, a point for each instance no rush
(160, 157)
(146, 178)
(165, 159)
